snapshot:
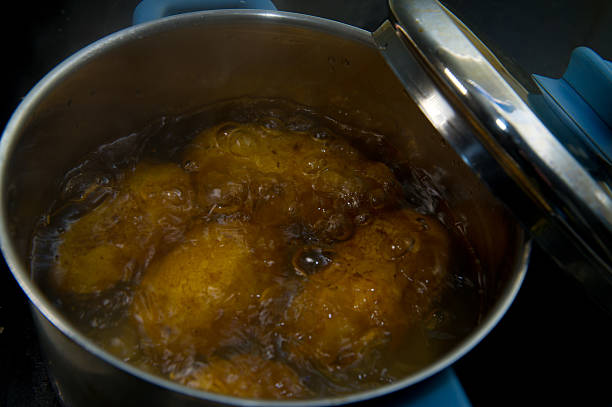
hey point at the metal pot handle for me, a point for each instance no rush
(149, 10)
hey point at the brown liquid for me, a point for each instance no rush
(258, 249)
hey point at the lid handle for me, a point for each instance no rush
(581, 101)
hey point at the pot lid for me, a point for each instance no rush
(486, 116)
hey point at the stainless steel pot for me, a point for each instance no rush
(122, 82)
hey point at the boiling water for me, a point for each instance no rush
(295, 301)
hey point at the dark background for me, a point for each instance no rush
(553, 346)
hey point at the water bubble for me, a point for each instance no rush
(350, 200)
(243, 143)
(274, 200)
(436, 318)
(423, 223)
(393, 248)
(336, 227)
(223, 135)
(363, 218)
(268, 192)
(344, 149)
(461, 227)
(315, 164)
(460, 282)
(271, 123)
(378, 198)
(173, 197)
(103, 180)
(322, 134)
(299, 123)
(226, 129)
(191, 166)
(309, 260)
(268, 187)
(226, 196)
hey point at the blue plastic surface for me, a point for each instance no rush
(149, 10)
(578, 106)
(443, 389)
(591, 77)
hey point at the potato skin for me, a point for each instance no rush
(199, 296)
(378, 285)
(278, 177)
(109, 244)
(248, 376)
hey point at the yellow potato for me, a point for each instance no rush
(281, 176)
(248, 376)
(110, 243)
(165, 195)
(200, 295)
(368, 292)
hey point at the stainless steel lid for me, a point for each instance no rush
(482, 112)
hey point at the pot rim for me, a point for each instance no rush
(37, 298)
